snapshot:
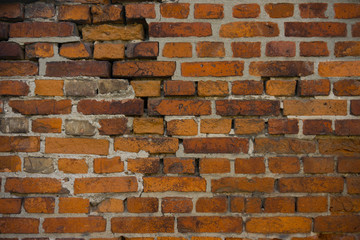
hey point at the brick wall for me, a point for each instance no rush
(196, 120)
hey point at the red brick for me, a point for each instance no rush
(76, 146)
(246, 49)
(313, 10)
(344, 204)
(104, 185)
(355, 30)
(314, 49)
(73, 205)
(10, 205)
(151, 145)
(210, 224)
(249, 126)
(142, 205)
(33, 185)
(18, 68)
(11, 51)
(213, 88)
(210, 49)
(175, 10)
(314, 107)
(279, 204)
(179, 165)
(176, 184)
(284, 146)
(249, 29)
(142, 10)
(176, 205)
(339, 69)
(208, 11)
(214, 165)
(318, 164)
(317, 127)
(279, 10)
(108, 165)
(107, 32)
(183, 127)
(146, 88)
(74, 225)
(178, 107)
(179, 29)
(314, 87)
(348, 224)
(47, 125)
(280, 49)
(78, 68)
(350, 48)
(315, 29)
(216, 145)
(215, 126)
(144, 165)
(42, 29)
(347, 10)
(12, 12)
(14, 88)
(112, 205)
(142, 50)
(311, 184)
(280, 87)
(19, 225)
(284, 165)
(283, 126)
(148, 224)
(246, 11)
(179, 88)
(39, 205)
(353, 185)
(19, 144)
(10, 164)
(347, 88)
(347, 127)
(312, 204)
(253, 205)
(348, 165)
(281, 68)
(212, 69)
(177, 50)
(39, 50)
(126, 107)
(340, 146)
(75, 50)
(114, 126)
(247, 87)
(254, 165)
(4, 31)
(215, 204)
(285, 225)
(41, 107)
(107, 13)
(247, 107)
(74, 13)
(143, 69)
(237, 204)
(231, 184)
(39, 10)
(68, 165)
(355, 107)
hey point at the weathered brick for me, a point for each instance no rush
(314, 107)
(74, 13)
(47, 125)
(4, 30)
(348, 224)
(212, 69)
(251, 10)
(317, 127)
(179, 88)
(279, 10)
(142, 50)
(39, 50)
(183, 127)
(344, 204)
(254, 165)
(247, 107)
(68, 165)
(112, 205)
(148, 126)
(210, 224)
(49, 87)
(140, 10)
(38, 165)
(318, 164)
(146, 88)
(18, 68)
(249, 126)
(19, 144)
(311, 184)
(41, 107)
(313, 10)
(215, 126)
(79, 127)
(343, 49)
(281, 68)
(283, 126)
(10, 205)
(80, 88)
(284, 165)
(142, 204)
(176, 184)
(78, 68)
(75, 50)
(177, 50)
(231, 184)
(39, 10)
(114, 126)
(347, 127)
(107, 13)
(10, 164)
(42, 29)
(312, 204)
(284, 145)
(76, 146)
(237, 204)
(179, 165)
(314, 87)
(216, 145)
(19, 225)
(253, 205)
(178, 107)
(355, 30)
(280, 87)
(39, 205)
(247, 87)
(148, 224)
(180, 29)
(355, 107)
(175, 10)
(126, 107)
(176, 205)
(12, 11)
(108, 165)
(315, 29)
(110, 51)
(279, 204)
(348, 165)
(280, 49)
(143, 69)
(314, 49)
(108, 32)
(249, 29)
(215, 204)
(347, 10)
(340, 146)
(214, 165)
(11, 51)
(113, 86)
(74, 225)
(284, 225)
(151, 145)
(353, 185)
(210, 49)
(347, 88)
(14, 88)
(73, 205)
(144, 165)
(33, 185)
(208, 11)
(246, 49)
(213, 88)
(105, 185)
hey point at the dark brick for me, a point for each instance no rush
(78, 68)
(11, 50)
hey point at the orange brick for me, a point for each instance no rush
(179, 165)
(49, 87)
(148, 224)
(344, 204)
(210, 224)
(112, 205)
(281, 87)
(347, 87)
(142, 205)
(19, 225)
(348, 165)
(318, 164)
(33, 185)
(237, 204)
(284, 145)
(215, 204)
(103, 185)
(253, 165)
(175, 10)
(14, 88)
(246, 49)
(279, 10)
(312, 204)
(279, 204)
(68, 165)
(41, 107)
(210, 49)
(10, 205)
(346, 10)
(108, 165)
(10, 164)
(109, 51)
(213, 88)
(177, 50)
(183, 127)
(176, 205)
(39, 50)
(47, 125)
(314, 87)
(75, 50)
(208, 11)
(249, 29)
(216, 126)
(339, 69)
(76, 13)
(214, 165)
(311, 184)
(144, 165)
(353, 184)
(242, 184)
(76, 146)
(146, 88)
(178, 184)
(142, 10)
(179, 88)
(74, 205)
(314, 107)
(39, 205)
(249, 126)
(19, 144)
(148, 126)
(247, 87)
(314, 49)
(342, 224)
(279, 225)
(212, 69)
(246, 11)
(74, 225)
(284, 164)
(253, 205)
(151, 145)
(283, 126)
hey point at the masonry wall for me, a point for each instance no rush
(198, 120)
